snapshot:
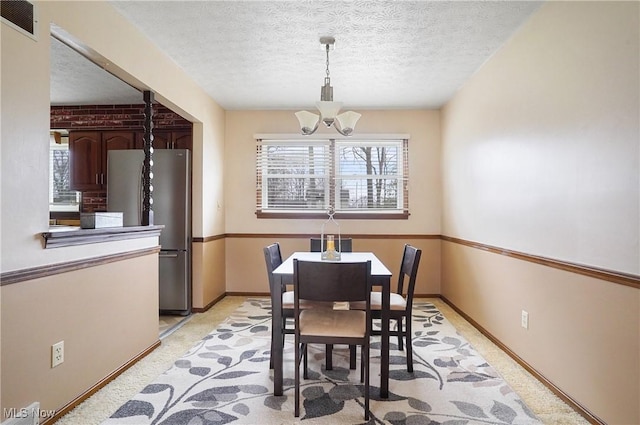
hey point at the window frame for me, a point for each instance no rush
(402, 176)
(62, 145)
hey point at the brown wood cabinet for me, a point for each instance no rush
(164, 139)
(88, 151)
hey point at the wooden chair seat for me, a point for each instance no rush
(396, 302)
(334, 323)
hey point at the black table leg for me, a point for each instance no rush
(277, 334)
(384, 355)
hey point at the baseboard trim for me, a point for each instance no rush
(593, 419)
(102, 383)
(208, 306)
(249, 294)
(426, 295)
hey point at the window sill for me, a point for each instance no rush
(337, 215)
(59, 236)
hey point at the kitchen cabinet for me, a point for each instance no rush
(88, 155)
(164, 139)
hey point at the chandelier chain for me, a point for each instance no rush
(327, 49)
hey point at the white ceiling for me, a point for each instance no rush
(267, 54)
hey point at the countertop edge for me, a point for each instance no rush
(69, 236)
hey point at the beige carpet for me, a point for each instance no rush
(549, 408)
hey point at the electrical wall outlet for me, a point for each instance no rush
(525, 319)
(57, 353)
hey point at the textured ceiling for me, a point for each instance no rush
(267, 54)
(77, 81)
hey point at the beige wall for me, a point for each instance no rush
(245, 268)
(583, 335)
(541, 155)
(424, 171)
(208, 272)
(247, 273)
(541, 147)
(24, 205)
(106, 315)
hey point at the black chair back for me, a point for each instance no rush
(409, 267)
(328, 281)
(273, 258)
(344, 246)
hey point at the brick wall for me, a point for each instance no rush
(111, 117)
(94, 201)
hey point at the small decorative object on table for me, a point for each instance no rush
(328, 249)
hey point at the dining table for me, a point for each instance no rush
(380, 277)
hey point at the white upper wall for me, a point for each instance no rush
(25, 126)
(541, 150)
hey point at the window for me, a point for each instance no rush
(61, 197)
(357, 177)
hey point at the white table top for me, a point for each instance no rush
(377, 267)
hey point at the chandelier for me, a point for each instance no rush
(344, 123)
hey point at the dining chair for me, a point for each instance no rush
(273, 258)
(401, 304)
(332, 282)
(345, 245)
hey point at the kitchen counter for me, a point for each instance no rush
(62, 235)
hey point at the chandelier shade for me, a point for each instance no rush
(328, 111)
(347, 121)
(308, 122)
(343, 123)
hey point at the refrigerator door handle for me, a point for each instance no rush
(168, 255)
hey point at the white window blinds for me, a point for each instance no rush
(351, 175)
(293, 175)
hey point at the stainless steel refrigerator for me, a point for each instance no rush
(171, 207)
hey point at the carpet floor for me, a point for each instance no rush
(224, 377)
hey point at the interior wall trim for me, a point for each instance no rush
(268, 295)
(23, 275)
(91, 391)
(593, 419)
(311, 235)
(626, 279)
(207, 238)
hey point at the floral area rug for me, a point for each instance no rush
(225, 378)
